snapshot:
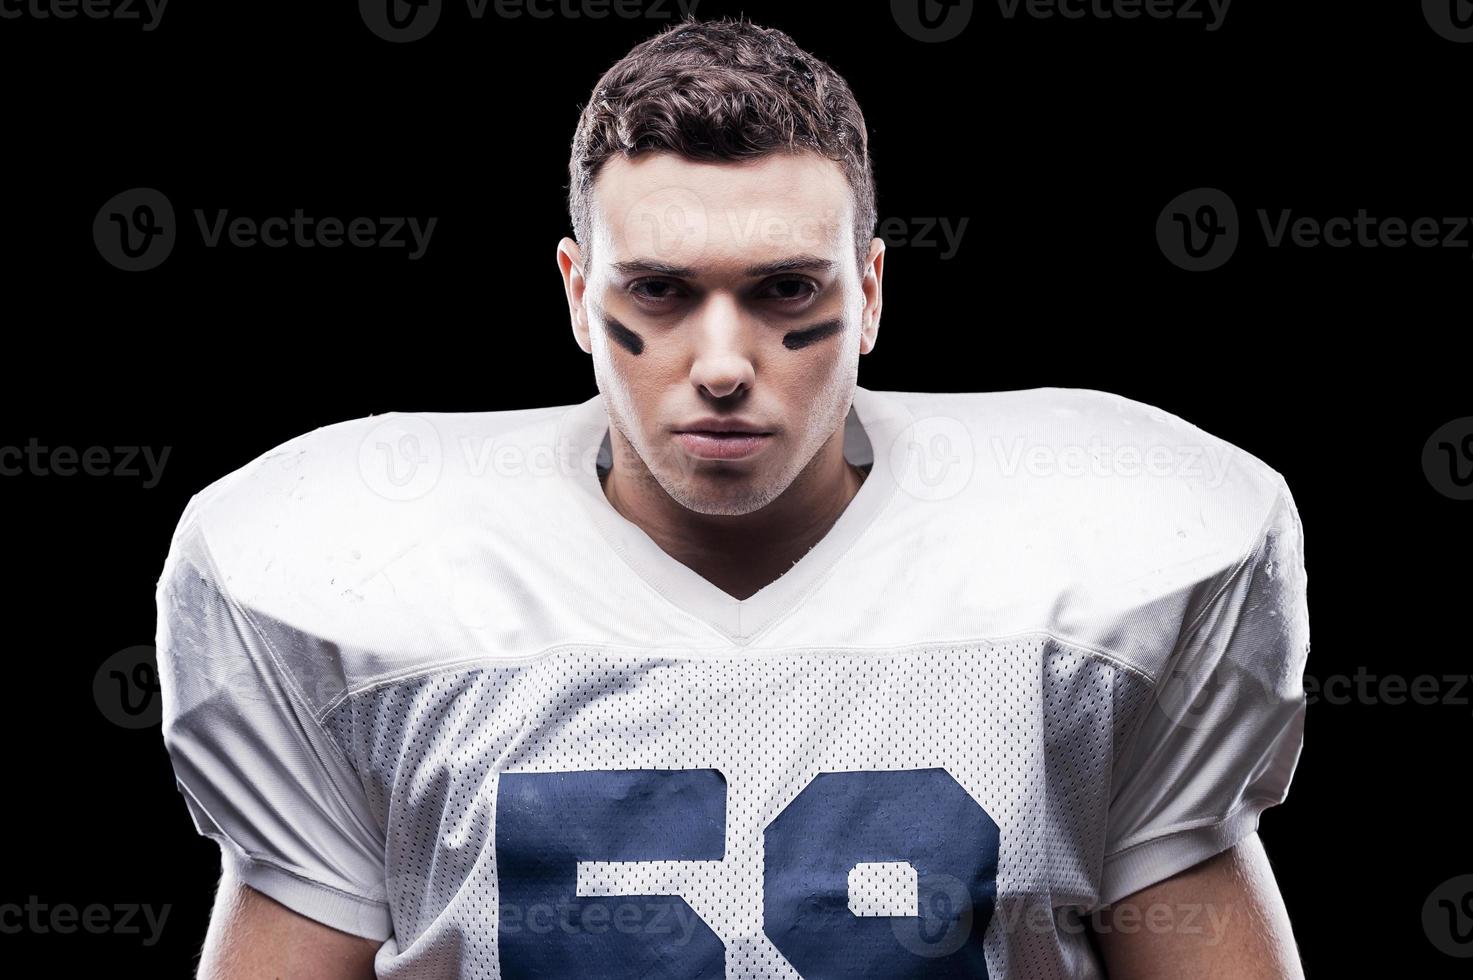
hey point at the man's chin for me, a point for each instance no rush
(718, 497)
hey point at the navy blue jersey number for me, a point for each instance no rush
(548, 822)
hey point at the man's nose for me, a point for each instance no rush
(722, 364)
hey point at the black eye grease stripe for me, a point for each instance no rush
(812, 335)
(624, 337)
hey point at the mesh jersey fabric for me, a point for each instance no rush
(423, 684)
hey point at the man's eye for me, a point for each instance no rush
(655, 290)
(794, 289)
(784, 290)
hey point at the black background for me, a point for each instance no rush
(1060, 141)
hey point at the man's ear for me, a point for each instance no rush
(874, 296)
(570, 263)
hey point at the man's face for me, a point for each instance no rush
(724, 295)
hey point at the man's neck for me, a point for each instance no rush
(737, 554)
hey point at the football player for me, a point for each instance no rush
(738, 668)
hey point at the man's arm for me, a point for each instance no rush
(1222, 918)
(253, 937)
(262, 777)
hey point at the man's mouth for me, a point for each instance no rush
(722, 440)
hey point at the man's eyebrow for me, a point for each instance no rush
(795, 263)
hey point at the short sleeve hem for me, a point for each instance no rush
(330, 906)
(1141, 865)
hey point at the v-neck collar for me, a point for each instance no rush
(871, 431)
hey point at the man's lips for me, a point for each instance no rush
(724, 444)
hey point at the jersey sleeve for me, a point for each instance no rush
(258, 773)
(1220, 738)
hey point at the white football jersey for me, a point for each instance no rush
(424, 684)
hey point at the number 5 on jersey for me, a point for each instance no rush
(917, 822)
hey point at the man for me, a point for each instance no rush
(739, 669)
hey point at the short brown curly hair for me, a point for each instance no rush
(721, 90)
